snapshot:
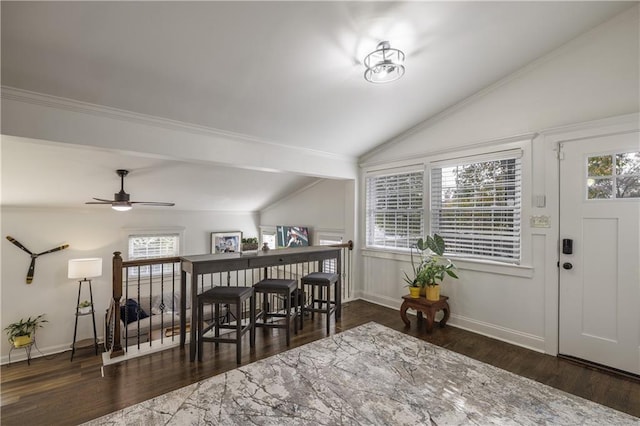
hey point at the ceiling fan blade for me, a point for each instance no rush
(121, 199)
(32, 269)
(62, 247)
(17, 244)
(153, 203)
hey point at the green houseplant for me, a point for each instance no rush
(432, 267)
(84, 307)
(250, 243)
(21, 333)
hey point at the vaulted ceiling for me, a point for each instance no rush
(286, 74)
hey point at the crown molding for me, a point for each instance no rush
(80, 107)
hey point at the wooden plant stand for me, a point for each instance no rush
(428, 307)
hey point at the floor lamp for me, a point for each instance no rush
(84, 269)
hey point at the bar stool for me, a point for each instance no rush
(286, 289)
(321, 281)
(226, 296)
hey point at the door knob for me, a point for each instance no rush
(567, 265)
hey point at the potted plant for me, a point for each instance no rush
(432, 268)
(249, 244)
(414, 288)
(84, 307)
(21, 333)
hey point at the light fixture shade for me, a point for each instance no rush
(85, 268)
(385, 64)
(121, 206)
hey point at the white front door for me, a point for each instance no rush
(600, 278)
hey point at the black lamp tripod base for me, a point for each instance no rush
(78, 314)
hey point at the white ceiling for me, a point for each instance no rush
(89, 173)
(288, 73)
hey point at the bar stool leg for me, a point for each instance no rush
(295, 310)
(265, 308)
(238, 331)
(328, 311)
(313, 300)
(304, 302)
(252, 318)
(287, 307)
(200, 328)
(216, 327)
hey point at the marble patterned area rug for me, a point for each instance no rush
(369, 375)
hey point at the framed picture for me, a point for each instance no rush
(292, 236)
(226, 242)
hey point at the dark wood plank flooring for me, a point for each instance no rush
(55, 391)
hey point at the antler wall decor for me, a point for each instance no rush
(32, 266)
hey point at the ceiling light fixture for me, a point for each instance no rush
(384, 64)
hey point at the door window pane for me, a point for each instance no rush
(600, 188)
(628, 163)
(601, 165)
(614, 176)
(628, 187)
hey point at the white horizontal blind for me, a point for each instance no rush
(476, 207)
(394, 209)
(151, 246)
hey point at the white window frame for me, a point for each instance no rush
(328, 238)
(406, 243)
(478, 157)
(150, 233)
(267, 230)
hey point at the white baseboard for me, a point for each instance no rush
(388, 302)
(20, 354)
(508, 335)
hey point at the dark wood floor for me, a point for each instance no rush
(54, 391)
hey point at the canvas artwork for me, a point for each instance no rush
(292, 236)
(226, 242)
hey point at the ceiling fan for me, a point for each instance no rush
(121, 201)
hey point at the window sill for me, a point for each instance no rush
(462, 264)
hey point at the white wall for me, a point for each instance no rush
(327, 205)
(593, 77)
(89, 233)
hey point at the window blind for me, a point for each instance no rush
(476, 206)
(151, 246)
(394, 209)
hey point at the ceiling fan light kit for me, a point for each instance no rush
(121, 206)
(385, 64)
(121, 200)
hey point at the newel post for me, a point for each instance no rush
(116, 349)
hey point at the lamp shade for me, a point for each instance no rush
(85, 268)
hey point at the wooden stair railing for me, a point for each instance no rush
(113, 331)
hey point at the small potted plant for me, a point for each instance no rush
(21, 333)
(249, 244)
(84, 307)
(433, 266)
